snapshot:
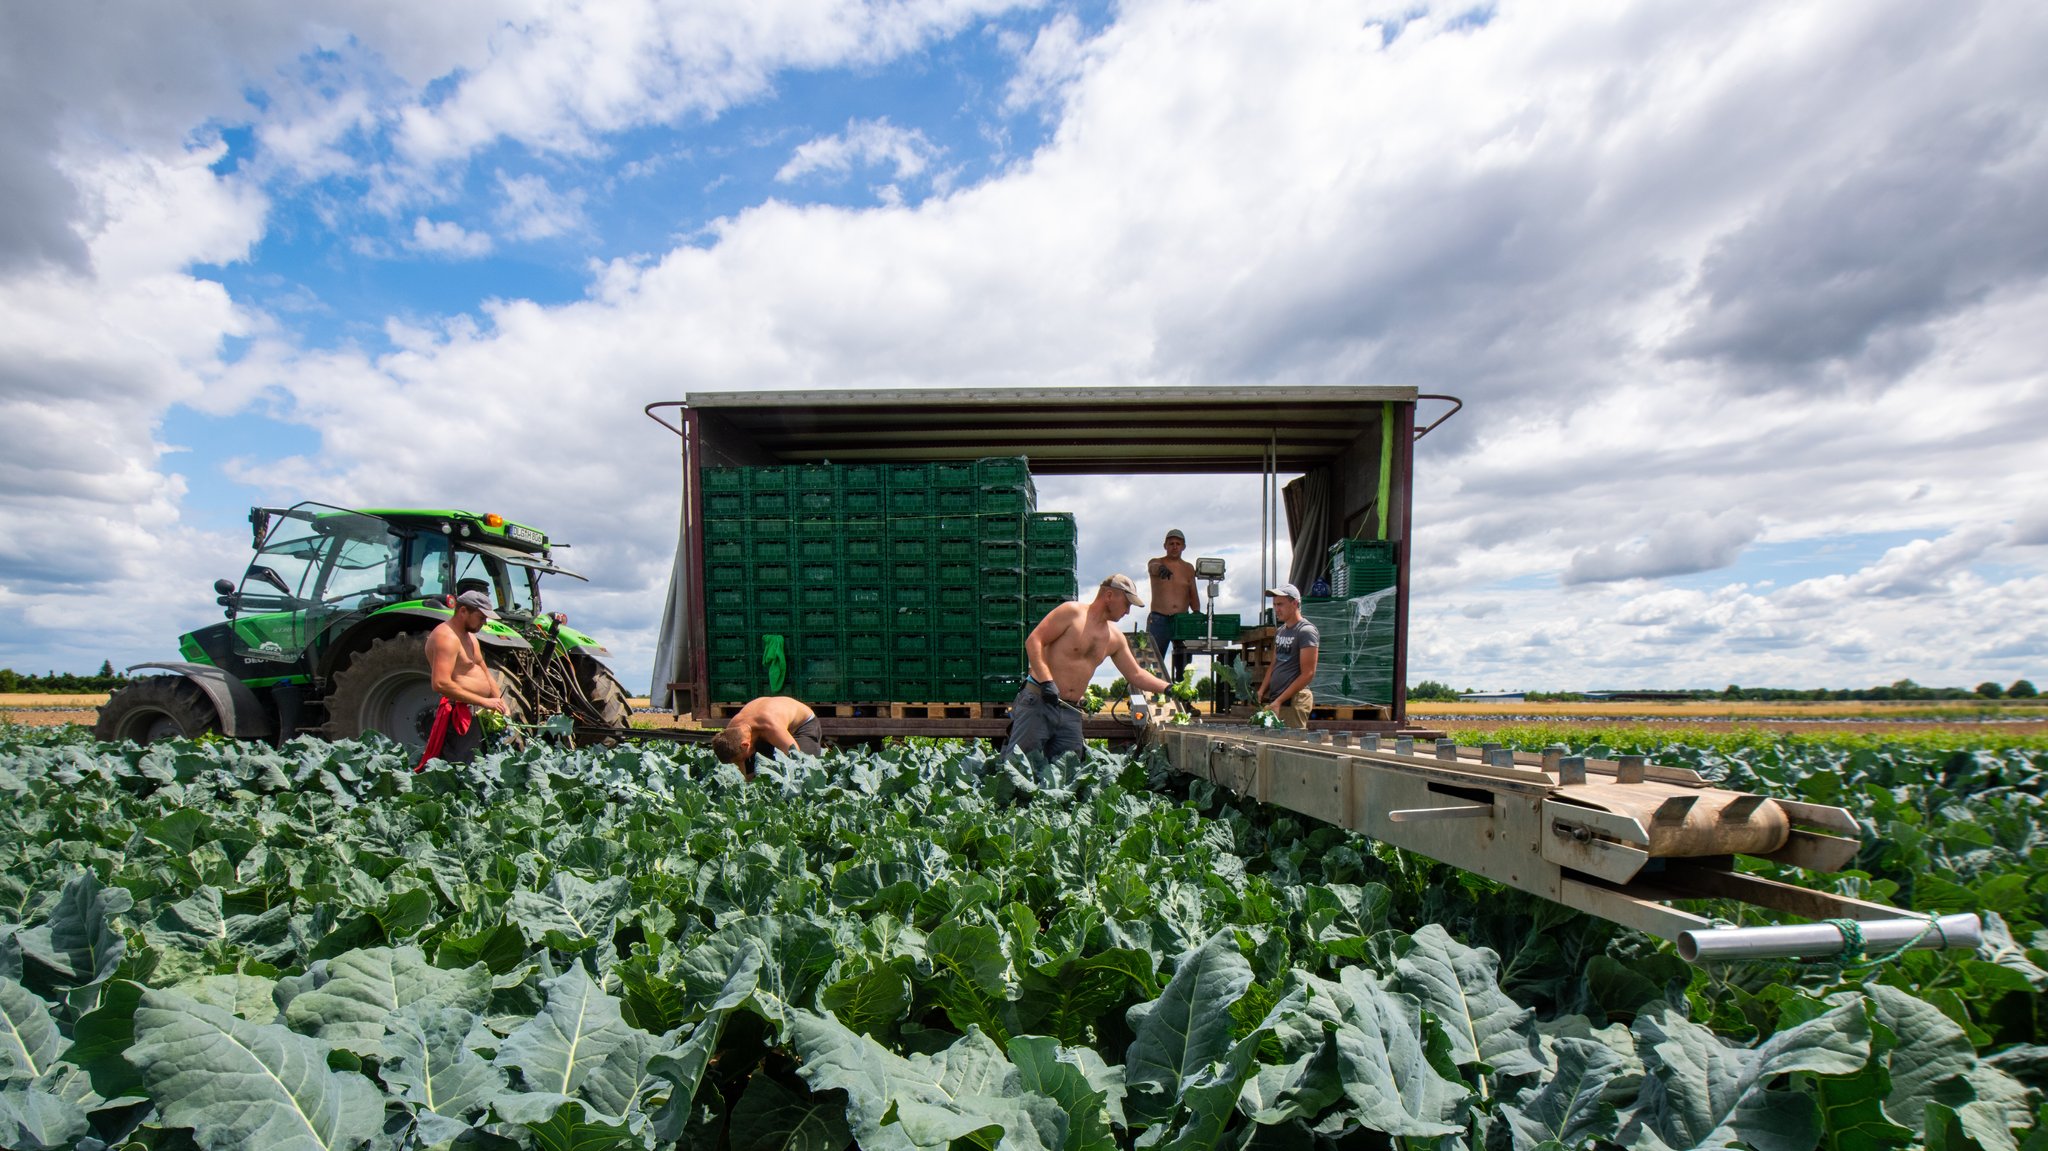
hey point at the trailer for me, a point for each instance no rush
(1337, 465)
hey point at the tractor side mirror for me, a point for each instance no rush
(223, 587)
(259, 526)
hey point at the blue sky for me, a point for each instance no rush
(1743, 302)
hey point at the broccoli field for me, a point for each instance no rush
(230, 946)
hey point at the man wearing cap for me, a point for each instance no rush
(774, 721)
(456, 664)
(1173, 592)
(1294, 660)
(1061, 655)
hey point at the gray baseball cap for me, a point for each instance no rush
(1286, 590)
(1176, 534)
(477, 600)
(1121, 582)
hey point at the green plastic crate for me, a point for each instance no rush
(773, 595)
(911, 549)
(965, 549)
(869, 572)
(1040, 556)
(823, 689)
(1195, 625)
(1005, 501)
(772, 502)
(910, 502)
(1037, 607)
(953, 474)
(1059, 583)
(873, 665)
(816, 571)
(818, 595)
(955, 527)
(863, 502)
(866, 643)
(814, 478)
(726, 551)
(818, 548)
(816, 528)
(957, 573)
(1006, 661)
(908, 527)
(905, 573)
(866, 617)
(725, 529)
(871, 476)
(955, 501)
(915, 619)
(726, 596)
(905, 643)
(1000, 688)
(867, 537)
(777, 620)
(862, 689)
(1051, 528)
(956, 665)
(816, 502)
(867, 594)
(817, 617)
(998, 637)
(907, 476)
(957, 597)
(1002, 470)
(769, 527)
(1001, 582)
(774, 572)
(963, 689)
(727, 575)
(1000, 609)
(720, 505)
(913, 666)
(1002, 555)
(914, 594)
(1000, 528)
(723, 479)
(728, 620)
(774, 477)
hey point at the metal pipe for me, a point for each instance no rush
(1825, 940)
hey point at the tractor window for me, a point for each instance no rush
(427, 566)
(510, 588)
(362, 567)
(286, 566)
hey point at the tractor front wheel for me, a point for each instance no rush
(605, 692)
(155, 708)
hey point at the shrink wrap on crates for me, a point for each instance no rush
(1355, 664)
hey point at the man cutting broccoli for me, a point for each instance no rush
(455, 662)
(1061, 654)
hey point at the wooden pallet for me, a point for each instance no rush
(935, 711)
(1349, 712)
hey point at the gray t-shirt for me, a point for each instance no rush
(1288, 642)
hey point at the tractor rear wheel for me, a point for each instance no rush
(155, 708)
(388, 688)
(605, 692)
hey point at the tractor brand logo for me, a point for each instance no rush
(269, 651)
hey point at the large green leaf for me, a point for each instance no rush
(196, 934)
(357, 991)
(428, 1061)
(570, 1127)
(1184, 1030)
(1703, 1093)
(1460, 986)
(869, 1002)
(771, 1117)
(1046, 1068)
(238, 1084)
(1065, 998)
(253, 997)
(924, 1101)
(579, 1045)
(795, 956)
(1568, 1109)
(29, 1040)
(1210, 1094)
(573, 908)
(80, 944)
(1384, 1054)
(33, 1119)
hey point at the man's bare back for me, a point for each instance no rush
(770, 719)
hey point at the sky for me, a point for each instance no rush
(1747, 303)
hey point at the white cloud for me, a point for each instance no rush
(448, 238)
(531, 210)
(865, 143)
(1679, 545)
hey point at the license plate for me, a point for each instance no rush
(524, 535)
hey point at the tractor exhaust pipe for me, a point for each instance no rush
(1825, 940)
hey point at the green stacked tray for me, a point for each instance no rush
(912, 581)
(1361, 567)
(1195, 625)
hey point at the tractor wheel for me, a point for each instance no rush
(388, 688)
(604, 691)
(154, 708)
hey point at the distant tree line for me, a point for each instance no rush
(61, 683)
(1430, 691)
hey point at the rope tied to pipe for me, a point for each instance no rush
(1854, 951)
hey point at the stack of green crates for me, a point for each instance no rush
(869, 582)
(1195, 625)
(1361, 567)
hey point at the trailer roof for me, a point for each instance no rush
(1062, 430)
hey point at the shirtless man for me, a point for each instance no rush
(778, 721)
(456, 665)
(1173, 592)
(1061, 654)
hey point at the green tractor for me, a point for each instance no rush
(327, 633)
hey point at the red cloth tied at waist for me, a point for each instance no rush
(449, 713)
